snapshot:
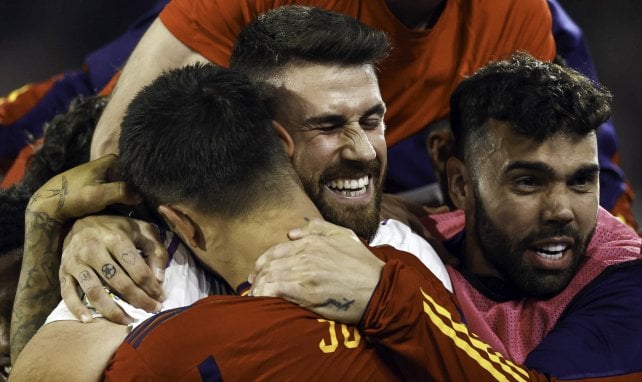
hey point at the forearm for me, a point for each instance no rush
(156, 52)
(38, 288)
(69, 351)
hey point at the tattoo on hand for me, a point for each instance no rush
(84, 276)
(109, 270)
(128, 258)
(61, 193)
(340, 306)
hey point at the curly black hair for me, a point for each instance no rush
(538, 99)
(66, 144)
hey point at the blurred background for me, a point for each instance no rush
(39, 38)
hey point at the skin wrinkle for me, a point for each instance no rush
(331, 94)
(510, 216)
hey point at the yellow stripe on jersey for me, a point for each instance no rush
(438, 314)
(13, 96)
(461, 328)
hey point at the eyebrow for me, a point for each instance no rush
(548, 170)
(339, 119)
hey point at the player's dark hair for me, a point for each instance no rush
(66, 144)
(538, 99)
(200, 135)
(305, 34)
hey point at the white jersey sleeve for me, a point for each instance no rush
(185, 283)
(398, 235)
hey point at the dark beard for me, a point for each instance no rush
(506, 255)
(363, 220)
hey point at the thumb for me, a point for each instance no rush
(113, 193)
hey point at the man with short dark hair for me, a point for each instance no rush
(339, 122)
(545, 276)
(337, 128)
(413, 328)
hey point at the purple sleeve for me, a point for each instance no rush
(600, 333)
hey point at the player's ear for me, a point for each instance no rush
(440, 145)
(458, 182)
(182, 224)
(288, 143)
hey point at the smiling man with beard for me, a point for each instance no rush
(547, 276)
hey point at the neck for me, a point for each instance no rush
(417, 14)
(475, 262)
(233, 246)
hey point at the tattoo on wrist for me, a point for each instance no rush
(345, 305)
(42, 229)
(109, 270)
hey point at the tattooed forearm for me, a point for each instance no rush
(38, 289)
(345, 305)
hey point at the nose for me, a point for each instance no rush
(357, 145)
(557, 206)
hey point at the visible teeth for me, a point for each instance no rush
(349, 184)
(553, 248)
(551, 251)
(549, 256)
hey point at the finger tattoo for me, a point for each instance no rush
(109, 270)
(84, 276)
(128, 258)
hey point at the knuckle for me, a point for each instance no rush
(128, 289)
(94, 292)
(147, 229)
(143, 276)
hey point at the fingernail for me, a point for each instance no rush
(293, 234)
(159, 273)
(85, 318)
(158, 308)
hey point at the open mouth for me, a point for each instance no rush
(349, 187)
(552, 251)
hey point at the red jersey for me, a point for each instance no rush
(425, 66)
(411, 330)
